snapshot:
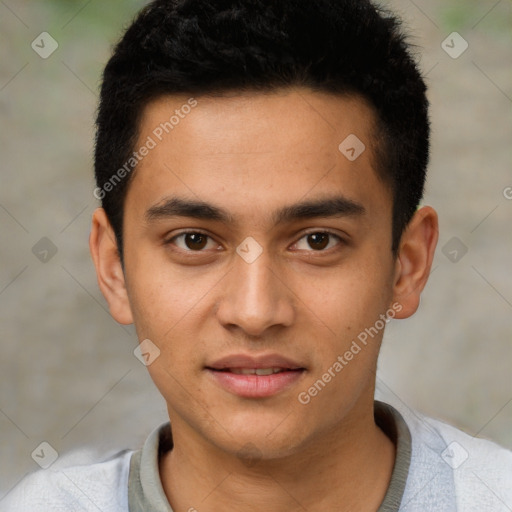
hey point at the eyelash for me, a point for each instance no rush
(341, 241)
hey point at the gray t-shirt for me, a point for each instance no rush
(438, 468)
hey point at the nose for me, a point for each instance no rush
(255, 297)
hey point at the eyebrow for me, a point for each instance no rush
(178, 207)
(337, 206)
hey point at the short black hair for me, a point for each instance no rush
(201, 47)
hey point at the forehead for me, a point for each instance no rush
(257, 148)
(253, 121)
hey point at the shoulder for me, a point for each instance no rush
(482, 470)
(477, 472)
(99, 486)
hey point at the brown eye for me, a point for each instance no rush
(318, 241)
(195, 241)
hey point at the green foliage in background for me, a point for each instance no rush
(100, 17)
(463, 14)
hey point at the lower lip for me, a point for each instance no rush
(255, 386)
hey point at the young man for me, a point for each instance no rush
(260, 166)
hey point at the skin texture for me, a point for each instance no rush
(252, 155)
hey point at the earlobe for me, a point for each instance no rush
(414, 260)
(109, 271)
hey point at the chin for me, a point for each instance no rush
(263, 435)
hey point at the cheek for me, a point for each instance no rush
(350, 297)
(162, 297)
(166, 311)
(347, 338)
(169, 308)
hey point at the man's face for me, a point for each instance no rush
(251, 242)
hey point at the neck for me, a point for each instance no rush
(347, 468)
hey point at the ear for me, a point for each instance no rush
(109, 271)
(414, 260)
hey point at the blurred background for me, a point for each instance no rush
(68, 375)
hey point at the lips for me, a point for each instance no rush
(255, 371)
(256, 362)
(255, 377)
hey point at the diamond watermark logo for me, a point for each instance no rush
(249, 454)
(146, 352)
(454, 45)
(249, 250)
(45, 455)
(352, 147)
(454, 249)
(44, 250)
(454, 455)
(44, 45)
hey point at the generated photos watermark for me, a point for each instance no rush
(304, 397)
(158, 133)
